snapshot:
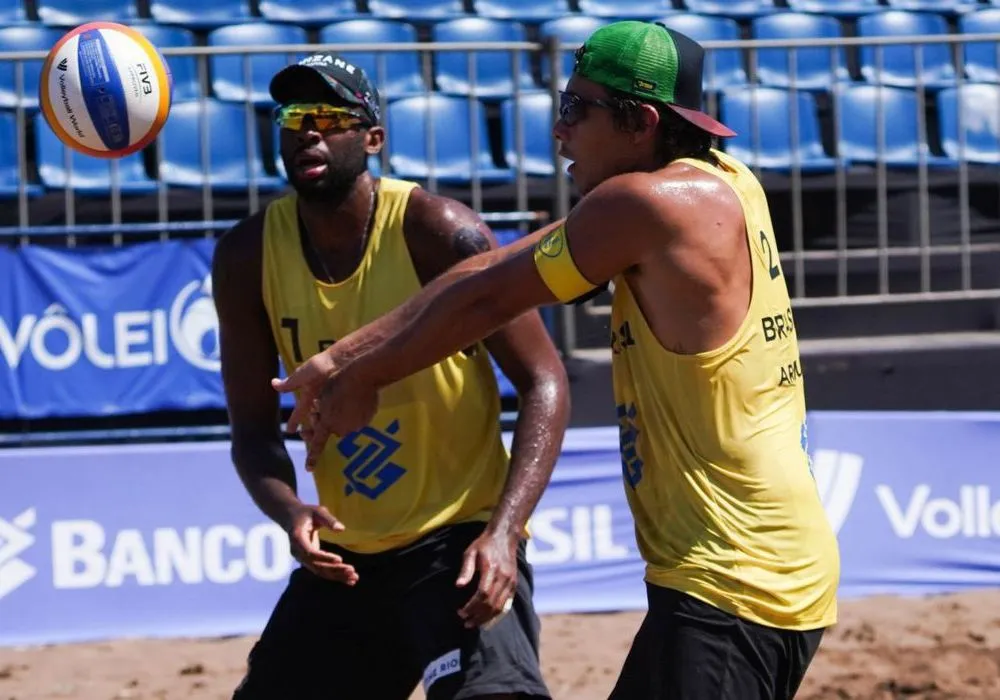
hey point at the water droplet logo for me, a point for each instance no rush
(194, 325)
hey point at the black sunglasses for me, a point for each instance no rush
(573, 107)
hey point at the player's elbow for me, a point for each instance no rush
(546, 385)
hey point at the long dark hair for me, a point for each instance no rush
(679, 138)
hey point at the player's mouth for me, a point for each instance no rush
(310, 165)
(566, 161)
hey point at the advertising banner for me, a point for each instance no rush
(162, 540)
(105, 331)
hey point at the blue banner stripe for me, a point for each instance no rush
(96, 331)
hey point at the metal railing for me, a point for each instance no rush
(874, 251)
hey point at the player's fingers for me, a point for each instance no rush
(324, 517)
(479, 609)
(305, 542)
(313, 556)
(341, 573)
(302, 376)
(468, 569)
(476, 611)
(315, 444)
(504, 609)
(487, 579)
(503, 595)
(497, 592)
(299, 417)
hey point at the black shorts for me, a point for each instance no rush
(688, 649)
(397, 627)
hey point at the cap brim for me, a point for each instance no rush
(703, 121)
(291, 82)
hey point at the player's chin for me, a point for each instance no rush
(582, 183)
(309, 187)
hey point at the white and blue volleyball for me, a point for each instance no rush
(105, 90)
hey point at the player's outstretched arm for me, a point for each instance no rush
(249, 359)
(607, 232)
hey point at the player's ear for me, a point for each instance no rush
(648, 120)
(374, 140)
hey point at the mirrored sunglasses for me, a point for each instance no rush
(573, 108)
(325, 117)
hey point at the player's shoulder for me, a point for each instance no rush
(700, 186)
(240, 248)
(677, 190)
(441, 225)
(428, 212)
(244, 237)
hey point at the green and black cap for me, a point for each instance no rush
(650, 61)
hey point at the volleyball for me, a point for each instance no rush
(105, 90)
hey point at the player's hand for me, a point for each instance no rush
(304, 523)
(308, 379)
(494, 557)
(331, 401)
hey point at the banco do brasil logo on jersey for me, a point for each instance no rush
(628, 432)
(370, 469)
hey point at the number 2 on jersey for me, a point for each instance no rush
(772, 264)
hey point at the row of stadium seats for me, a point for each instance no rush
(198, 14)
(401, 73)
(763, 140)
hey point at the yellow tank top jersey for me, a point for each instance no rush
(714, 450)
(433, 454)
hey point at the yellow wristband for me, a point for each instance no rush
(556, 266)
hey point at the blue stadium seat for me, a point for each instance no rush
(730, 8)
(626, 9)
(570, 30)
(764, 140)
(447, 118)
(522, 10)
(980, 105)
(229, 73)
(723, 67)
(12, 12)
(942, 6)
(980, 57)
(70, 13)
(867, 113)
(899, 62)
(199, 14)
(90, 176)
(843, 8)
(494, 76)
(183, 69)
(25, 37)
(9, 172)
(815, 68)
(227, 160)
(535, 112)
(396, 73)
(308, 14)
(417, 10)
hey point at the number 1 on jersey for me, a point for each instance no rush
(291, 325)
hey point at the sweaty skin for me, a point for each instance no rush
(439, 233)
(677, 233)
